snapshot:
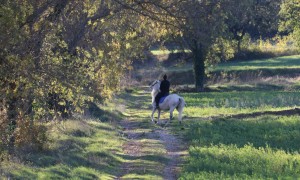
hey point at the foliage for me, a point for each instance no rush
(272, 47)
(290, 14)
(58, 55)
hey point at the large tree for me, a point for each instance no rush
(196, 25)
(57, 54)
(206, 27)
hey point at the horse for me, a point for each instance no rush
(171, 102)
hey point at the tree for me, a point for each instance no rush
(207, 27)
(290, 15)
(201, 26)
(196, 24)
(58, 54)
(257, 18)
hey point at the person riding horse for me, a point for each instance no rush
(164, 90)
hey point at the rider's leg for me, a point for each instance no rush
(157, 98)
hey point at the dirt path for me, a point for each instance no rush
(151, 152)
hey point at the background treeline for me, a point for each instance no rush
(56, 56)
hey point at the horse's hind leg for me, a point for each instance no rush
(158, 116)
(153, 111)
(171, 115)
(180, 109)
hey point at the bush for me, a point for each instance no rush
(260, 49)
(29, 134)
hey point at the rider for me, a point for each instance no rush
(164, 90)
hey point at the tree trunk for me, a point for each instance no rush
(199, 66)
(12, 122)
(240, 39)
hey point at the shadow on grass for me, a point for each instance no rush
(257, 87)
(70, 158)
(94, 111)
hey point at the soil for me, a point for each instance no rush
(142, 143)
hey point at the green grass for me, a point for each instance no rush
(253, 148)
(78, 149)
(236, 102)
(285, 62)
(261, 147)
(220, 146)
(258, 147)
(225, 146)
(230, 162)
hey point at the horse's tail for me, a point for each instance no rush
(180, 107)
(181, 103)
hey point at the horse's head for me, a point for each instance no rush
(155, 85)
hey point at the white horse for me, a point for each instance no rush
(171, 102)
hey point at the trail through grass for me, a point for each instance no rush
(151, 152)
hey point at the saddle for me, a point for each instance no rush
(162, 99)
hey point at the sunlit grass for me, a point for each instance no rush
(285, 62)
(252, 148)
(141, 176)
(248, 162)
(229, 103)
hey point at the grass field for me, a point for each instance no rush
(225, 135)
(227, 139)
(264, 147)
(224, 145)
(237, 102)
(285, 62)
(77, 149)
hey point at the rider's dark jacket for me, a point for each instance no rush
(165, 87)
